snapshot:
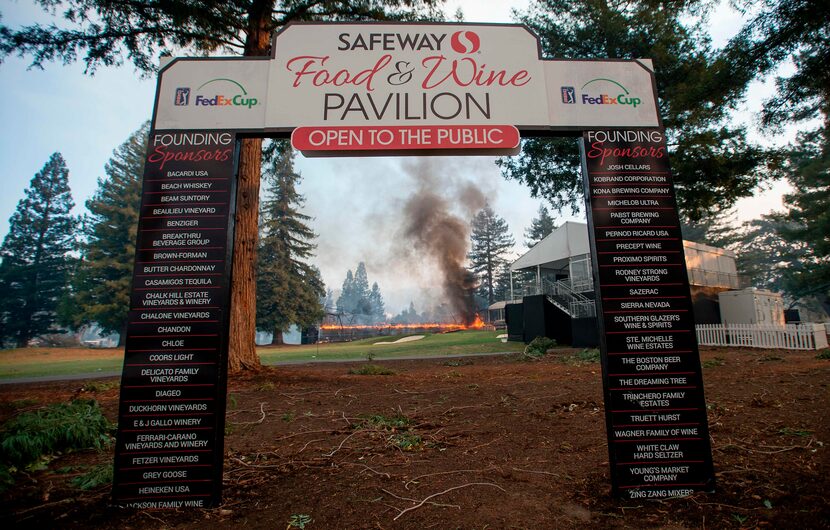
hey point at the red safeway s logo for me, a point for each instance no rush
(470, 43)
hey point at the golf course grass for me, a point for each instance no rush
(44, 362)
(432, 345)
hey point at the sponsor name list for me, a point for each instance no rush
(171, 416)
(655, 412)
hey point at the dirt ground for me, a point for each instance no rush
(489, 442)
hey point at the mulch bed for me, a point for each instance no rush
(488, 442)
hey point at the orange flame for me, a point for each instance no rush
(436, 326)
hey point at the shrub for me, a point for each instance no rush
(100, 386)
(30, 436)
(371, 369)
(711, 363)
(584, 356)
(96, 476)
(6, 479)
(406, 441)
(379, 421)
(824, 354)
(299, 520)
(589, 355)
(539, 347)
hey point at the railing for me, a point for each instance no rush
(564, 296)
(579, 306)
(709, 278)
(583, 309)
(582, 285)
(789, 337)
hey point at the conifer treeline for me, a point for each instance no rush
(55, 278)
(61, 273)
(357, 302)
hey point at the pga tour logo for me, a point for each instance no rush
(223, 92)
(182, 97)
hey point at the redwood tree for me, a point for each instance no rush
(102, 32)
(289, 289)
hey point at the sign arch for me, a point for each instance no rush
(345, 89)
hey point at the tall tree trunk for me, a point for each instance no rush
(242, 354)
(278, 339)
(122, 334)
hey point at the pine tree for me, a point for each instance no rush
(407, 316)
(357, 300)
(713, 163)
(808, 218)
(101, 292)
(796, 31)
(329, 303)
(101, 32)
(767, 258)
(361, 290)
(719, 229)
(502, 288)
(491, 245)
(377, 307)
(288, 288)
(33, 272)
(540, 227)
(347, 301)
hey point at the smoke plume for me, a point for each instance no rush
(435, 231)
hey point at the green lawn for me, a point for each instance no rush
(39, 362)
(458, 343)
(61, 367)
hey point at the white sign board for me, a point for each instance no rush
(407, 75)
(404, 75)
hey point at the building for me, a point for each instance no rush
(752, 306)
(558, 268)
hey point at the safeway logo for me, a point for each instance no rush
(465, 42)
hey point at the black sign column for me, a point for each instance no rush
(171, 418)
(658, 436)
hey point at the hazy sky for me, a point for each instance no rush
(355, 202)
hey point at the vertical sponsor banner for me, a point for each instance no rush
(171, 418)
(658, 436)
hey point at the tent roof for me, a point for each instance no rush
(553, 252)
(503, 303)
(571, 239)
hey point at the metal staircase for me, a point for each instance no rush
(574, 304)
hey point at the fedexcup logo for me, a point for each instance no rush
(232, 94)
(465, 42)
(614, 98)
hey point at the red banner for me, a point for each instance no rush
(405, 138)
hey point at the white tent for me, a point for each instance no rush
(554, 251)
(566, 252)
